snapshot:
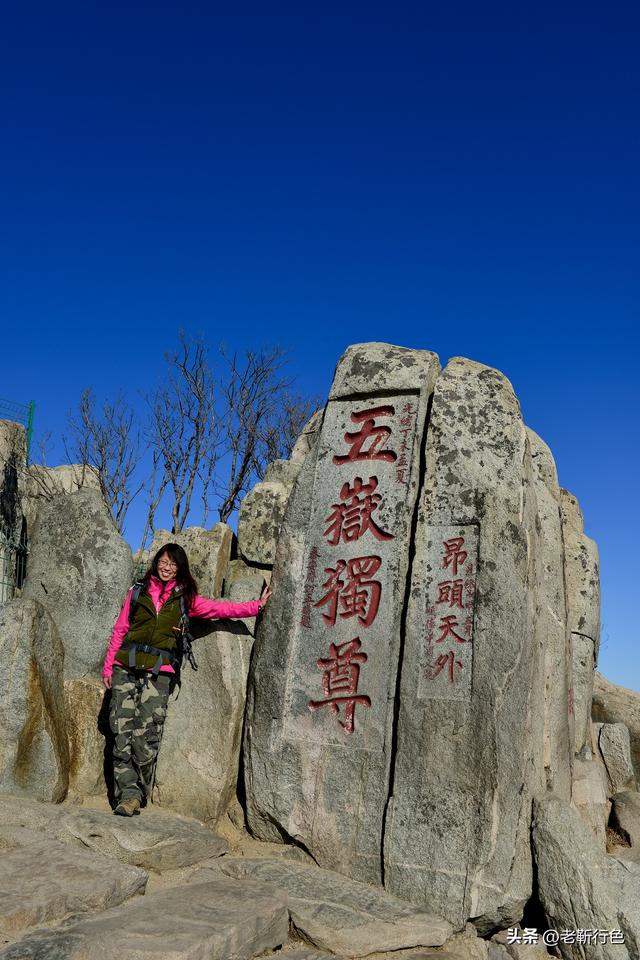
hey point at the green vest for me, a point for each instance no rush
(151, 629)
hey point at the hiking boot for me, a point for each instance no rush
(127, 808)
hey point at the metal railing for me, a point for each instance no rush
(13, 562)
(19, 413)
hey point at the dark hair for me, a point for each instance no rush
(184, 579)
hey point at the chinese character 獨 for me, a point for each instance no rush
(354, 516)
(340, 681)
(368, 431)
(454, 554)
(450, 591)
(359, 595)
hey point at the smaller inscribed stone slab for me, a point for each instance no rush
(449, 597)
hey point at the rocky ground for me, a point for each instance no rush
(78, 883)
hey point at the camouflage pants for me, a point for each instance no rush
(136, 716)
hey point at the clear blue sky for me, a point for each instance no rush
(460, 177)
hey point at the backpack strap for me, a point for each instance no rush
(186, 640)
(136, 590)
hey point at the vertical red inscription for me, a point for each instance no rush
(341, 675)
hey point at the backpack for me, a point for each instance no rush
(184, 649)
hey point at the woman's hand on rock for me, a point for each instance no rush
(264, 596)
(107, 682)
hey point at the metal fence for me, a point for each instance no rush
(13, 562)
(19, 413)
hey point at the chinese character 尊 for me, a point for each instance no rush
(340, 681)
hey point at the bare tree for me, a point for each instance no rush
(283, 427)
(184, 431)
(110, 443)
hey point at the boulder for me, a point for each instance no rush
(552, 620)
(34, 752)
(154, 841)
(625, 818)
(284, 472)
(615, 750)
(259, 521)
(307, 438)
(198, 763)
(208, 552)
(320, 711)
(341, 915)
(48, 880)
(470, 727)
(44, 483)
(80, 570)
(615, 704)
(221, 918)
(580, 887)
(520, 949)
(243, 583)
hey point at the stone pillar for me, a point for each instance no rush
(320, 712)
(470, 721)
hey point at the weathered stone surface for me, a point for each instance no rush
(218, 919)
(625, 818)
(589, 797)
(48, 880)
(284, 472)
(518, 951)
(86, 727)
(198, 764)
(242, 583)
(44, 483)
(317, 774)
(615, 749)
(582, 579)
(307, 438)
(156, 841)
(342, 915)
(260, 520)
(580, 887)
(79, 569)
(582, 671)
(470, 723)
(34, 752)
(615, 704)
(208, 552)
(552, 620)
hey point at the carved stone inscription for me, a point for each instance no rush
(340, 672)
(448, 607)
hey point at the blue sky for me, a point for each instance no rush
(456, 177)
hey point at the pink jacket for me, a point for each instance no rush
(160, 592)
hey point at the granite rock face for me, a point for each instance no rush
(341, 915)
(260, 520)
(615, 749)
(198, 764)
(580, 887)
(471, 701)
(79, 569)
(582, 577)
(34, 751)
(221, 918)
(320, 711)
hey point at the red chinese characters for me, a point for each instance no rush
(407, 424)
(353, 516)
(454, 555)
(366, 442)
(341, 675)
(350, 586)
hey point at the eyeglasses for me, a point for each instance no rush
(167, 565)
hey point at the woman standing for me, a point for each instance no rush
(141, 665)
